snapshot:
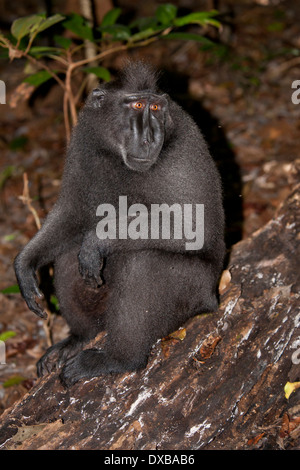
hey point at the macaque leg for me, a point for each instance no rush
(152, 293)
(82, 307)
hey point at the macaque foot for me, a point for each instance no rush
(58, 354)
(88, 364)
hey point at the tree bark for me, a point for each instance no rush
(219, 384)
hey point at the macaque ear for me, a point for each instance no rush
(96, 97)
(98, 93)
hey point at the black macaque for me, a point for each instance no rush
(131, 140)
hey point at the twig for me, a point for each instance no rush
(47, 325)
(119, 48)
(41, 65)
(25, 198)
(66, 117)
(280, 69)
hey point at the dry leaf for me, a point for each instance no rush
(254, 440)
(290, 387)
(171, 339)
(21, 93)
(208, 347)
(179, 334)
(284, 430)
(294, 423)
(288, 425)
(224, 281)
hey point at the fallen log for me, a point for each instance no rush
(218, 383)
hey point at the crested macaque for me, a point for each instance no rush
(131, 141)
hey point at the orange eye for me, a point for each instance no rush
(154, 107)
(138, 105)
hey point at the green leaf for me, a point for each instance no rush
(54, 302)
(50, 21)
(221, 51)
(10, 237)
(24, 26)
(111, 17)
(33, 24)
(201, 17)
(118, 32)
(78, 25)
(18, 142)
(166, 13)
(214, 22)
(38, 78)
(144, 23)
(6, 173)
(189, 37)
(277, 26)
(100, 72)
(41, 51)
(4, 53)
(145, 34)
(11, 290)
(62, 41)
(6, 335)
(16, 380)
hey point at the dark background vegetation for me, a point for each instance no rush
(238, 91)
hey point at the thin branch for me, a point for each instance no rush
(45, 67)
(66, 117)
(26, 199)
(99, 56)
(14, 52)
(32, 38)
(58, 59)
(120, 48)
(282, 68)
(68, 91)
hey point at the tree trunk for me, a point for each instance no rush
(219, 384)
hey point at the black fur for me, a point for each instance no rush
(146, 288)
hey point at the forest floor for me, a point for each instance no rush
(240, 94)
